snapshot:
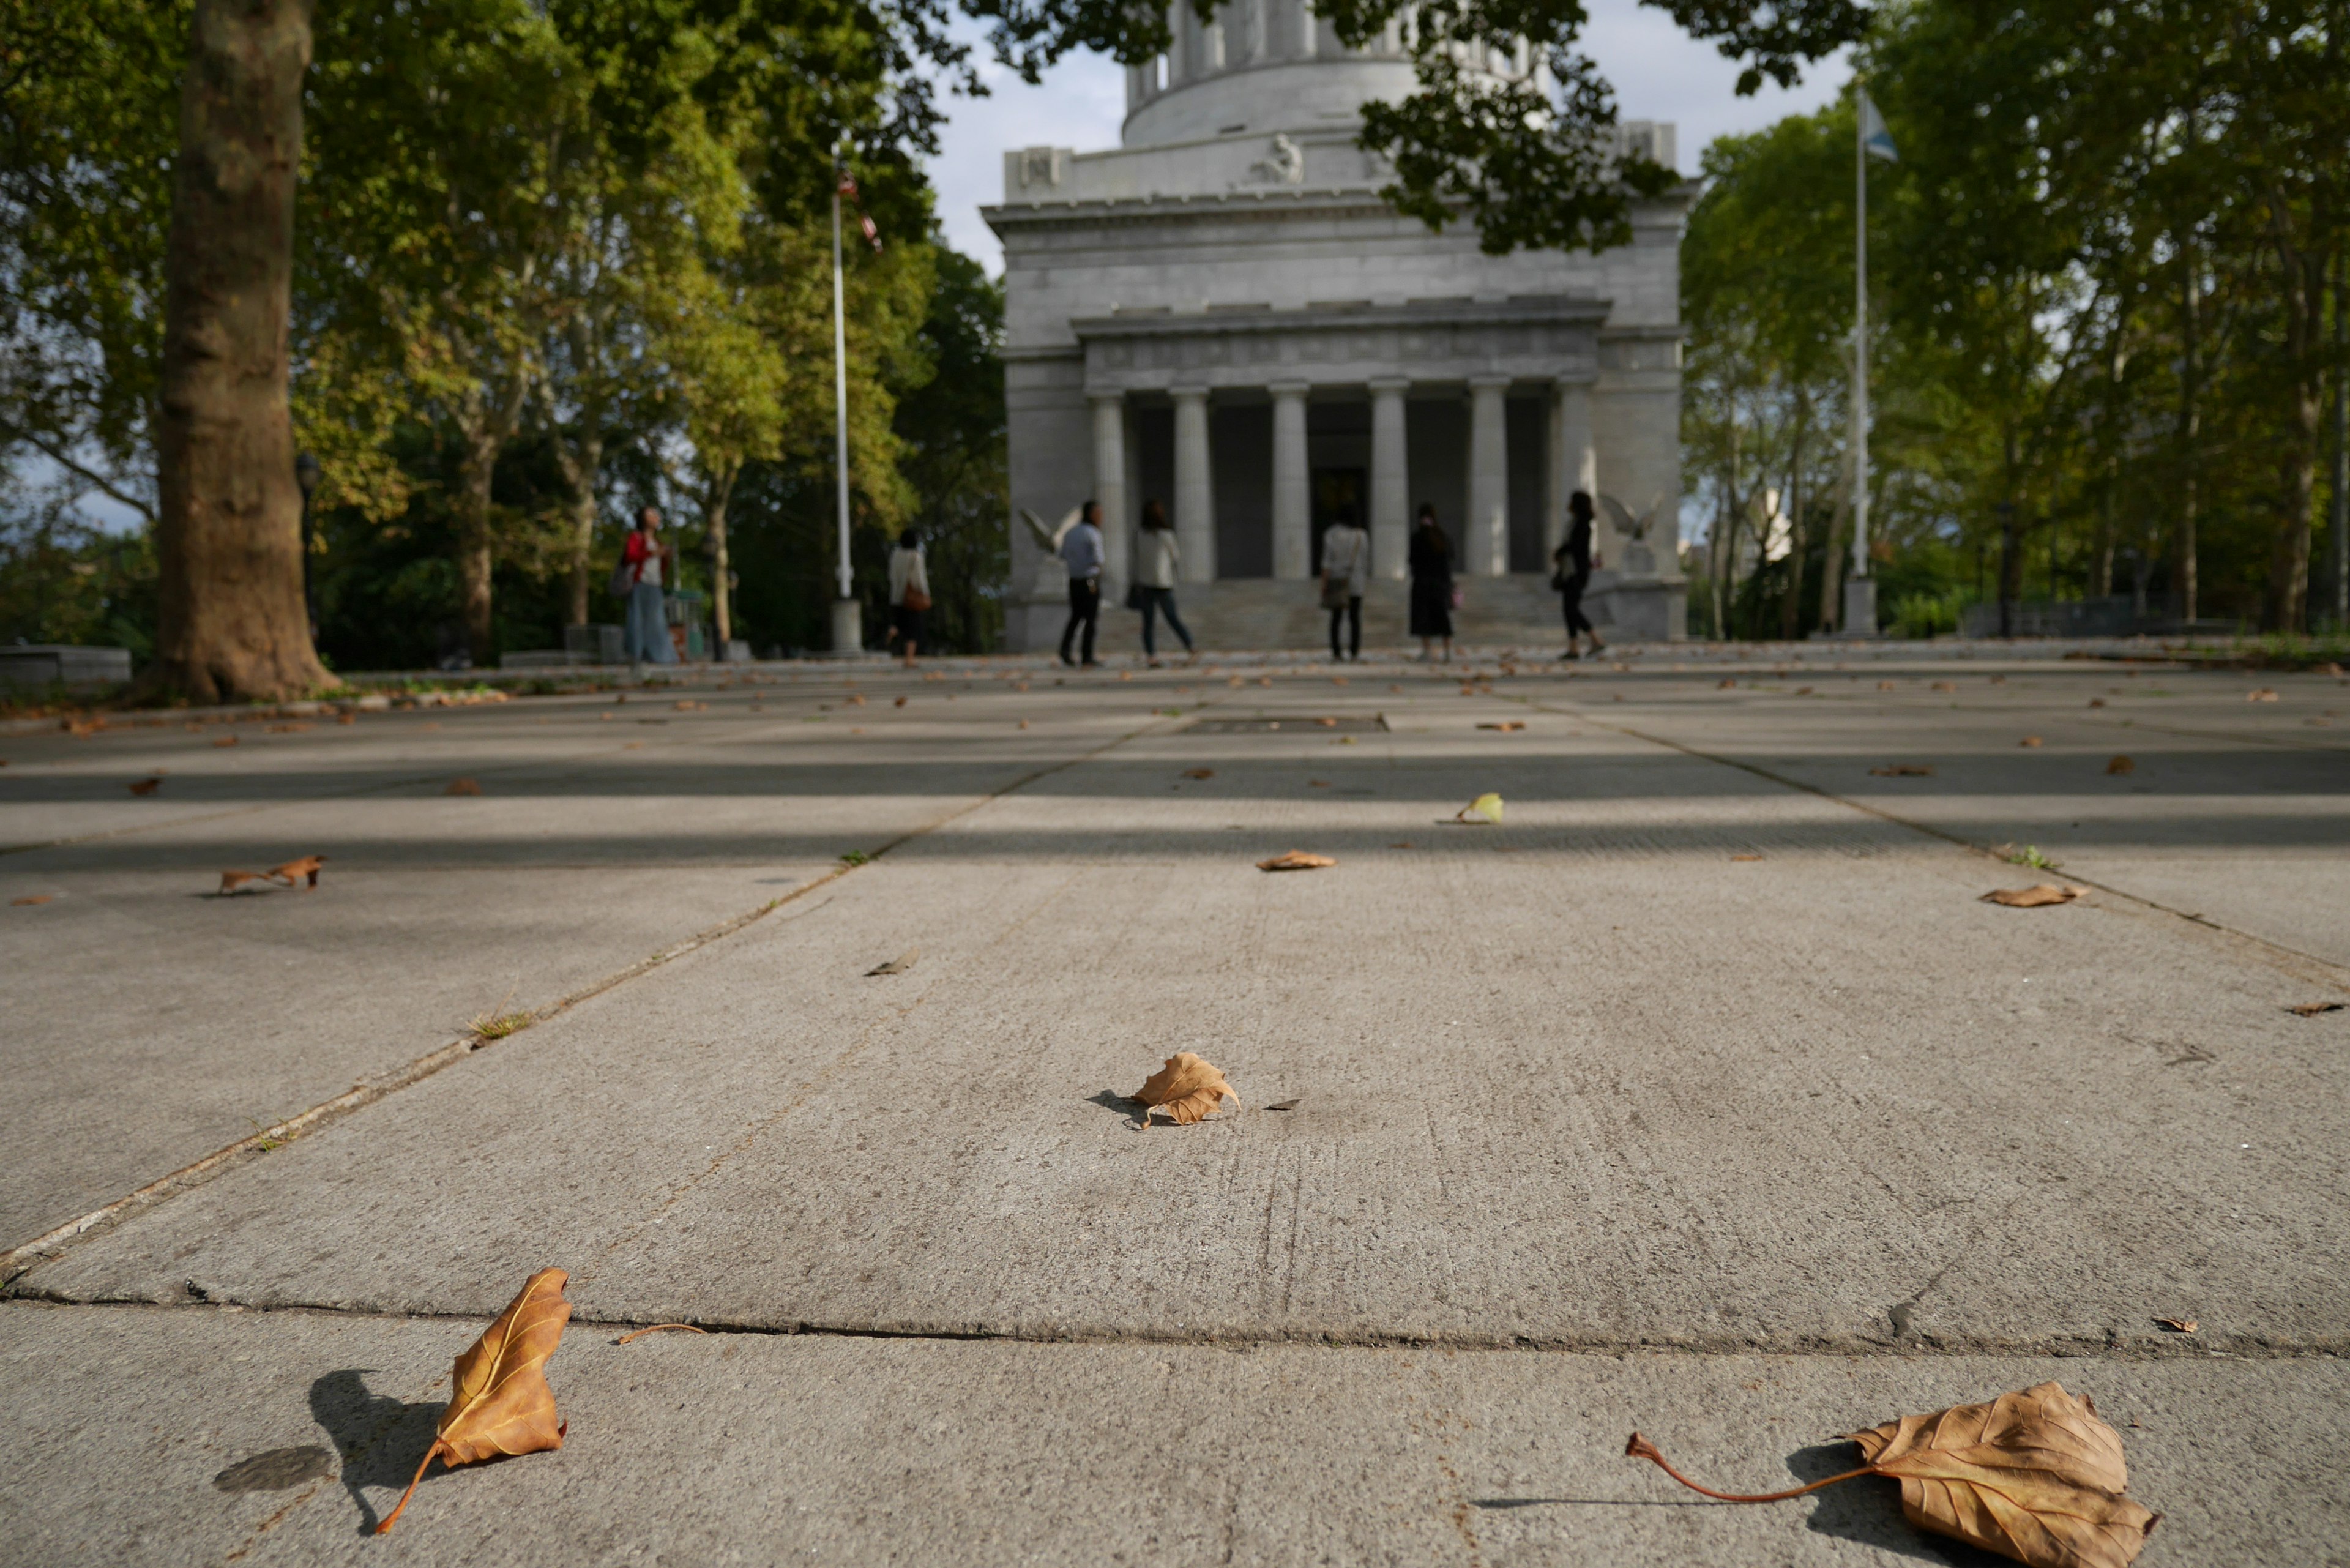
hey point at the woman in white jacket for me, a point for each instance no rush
(909, 593)
(1345, 573)
(1155, 560)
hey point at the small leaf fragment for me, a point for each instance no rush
(2029, 741)
(31, 899)
(1503, 724)
(294, 871)
(1188, 1088)
(463, 786)
(2260, 694)
(1199, 773)
(658, 1328)
(232, 880)
(898, 965)
(2038, 896)
(1295, 860)
(1738, 857)
(500, 1404)
(2178, 1324)
(145, 786)
(2312, 1009)
(2122, 765)
(1283, 1106)
(1903, 771)
(225, 741)
(1485, 808)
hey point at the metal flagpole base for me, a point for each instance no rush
(847, 627)
(1859, 609)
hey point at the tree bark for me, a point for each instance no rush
(231, 622)
(487, 422)
(722, 596)
(2011, 545)
(2190, 433)
(2304, 314)
(581, 467)
(1790, 607)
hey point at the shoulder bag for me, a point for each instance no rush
(624, 580)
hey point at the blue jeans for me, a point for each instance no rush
(1154, 601)
(646, 634)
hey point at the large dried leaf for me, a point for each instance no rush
(294, 871)
(2033, 1475)
(2038, 896)
(500, 1404)
(1485, 808)
(1188, 1088)
(1295, 860)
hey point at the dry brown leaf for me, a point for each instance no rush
(1264, 680)
(232, 880)
(293, 729)
(2029, 741)
(1295, 860)
(2036, 896)
(2122, 765)
(2178, 1324)
(2312, 1009)
(2096, 701)
(1726, 685)
(2262, 694)
(1746, 857)
(294, 871)
(856, 699)
(899, 703)
(898, 965)
(1188, 1088)
(1235, 681)
(1904, 771)
(658, 1328)
(463, 786)
(1024, 723)
(32, 898)
(500, 1404)
(1945, 686)
(225, 741)
(1328, 723)
(1884, 686)
(1504, 724)
(1283, 1106)
(2035, 1476)
(145, 786)
(1199, 773)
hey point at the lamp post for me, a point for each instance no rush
(848, 635)
(306, 474)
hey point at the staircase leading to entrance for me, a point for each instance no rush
(1519, 611)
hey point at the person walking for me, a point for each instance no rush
(1155, 559)
(643, 560)
(1081, 551)
(1571, 573)
(1345, 573)
(1429, 558)
(909, 594)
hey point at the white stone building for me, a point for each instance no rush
(1222, 315)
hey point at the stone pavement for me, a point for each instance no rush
(1700, 1095)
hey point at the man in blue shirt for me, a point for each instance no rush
(1081, 552)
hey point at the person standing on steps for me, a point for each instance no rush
(642, 562)
(1430, 560)
(1571, 574)
(1155, 558)
(1081, 551)
(909, 593)
(1345, 573)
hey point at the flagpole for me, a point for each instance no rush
(1859, 588)
(848, 635)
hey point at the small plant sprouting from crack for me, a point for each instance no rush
(498, 1023)
(264, 1143)
(855, 857)
(2029, 855)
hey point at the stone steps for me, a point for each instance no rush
(1269, 613)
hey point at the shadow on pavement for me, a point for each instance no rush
(1869, 1510)
(379, 1437)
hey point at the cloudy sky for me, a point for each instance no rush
(1658, 72)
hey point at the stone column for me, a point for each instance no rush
(1292, 503)
(1109, 486)
(1575, 461)
(1195, 517)
(1485, 551)
(1390, 519)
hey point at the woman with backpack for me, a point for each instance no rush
(637, 584)
(1155, 559)
(909, 593)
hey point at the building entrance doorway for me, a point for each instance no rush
(1336, 490)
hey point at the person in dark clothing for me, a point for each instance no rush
(1429, 558)
(1081, 552)
(1572, 574)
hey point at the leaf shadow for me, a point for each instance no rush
(1110, 1099)
(379, 1437)
(1868, 1510)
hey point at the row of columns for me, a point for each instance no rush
(1570, 464)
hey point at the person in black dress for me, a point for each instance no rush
(1573, 574)
(1431, 559)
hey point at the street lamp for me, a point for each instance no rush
(306, 474)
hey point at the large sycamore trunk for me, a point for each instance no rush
(231, 624)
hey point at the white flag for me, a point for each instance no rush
(1873, 137)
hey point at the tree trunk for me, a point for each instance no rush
(1790, 608)
(2190, 432)
(1839, 545)
(722, 599)
(2010, 545)
(486, 426)
(581, 468)
(230, 623)
(2304, 314)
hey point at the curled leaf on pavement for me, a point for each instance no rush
(1283, 1106)
(1295, 860)
(1188, 1088)
(899, 703)
(294, 871)
(2033, 1475)
(2262, 694)
(898, 965)
(2038, 896)
(1736, 857)
(1199, 773)
(1904, 771)
(1503, 724)
(500, 1404)
(2306, 1009)
(31, 899)
(2122, 765)
(658, 1328)
(2029, 741)
(145, 786)
(462, 786)
(225, 741)
(2178, 1324)
(1945, 686)
(1485, 809)
(233, 880)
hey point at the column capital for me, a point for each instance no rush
(1389, 384)
(1490, 383)
(1289, 388)
(1187, 394)
(1108, 397)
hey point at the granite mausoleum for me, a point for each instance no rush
(1222, 315)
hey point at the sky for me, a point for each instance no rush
(1658, 73)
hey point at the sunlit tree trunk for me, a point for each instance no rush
(2303, 290)
(230, 623)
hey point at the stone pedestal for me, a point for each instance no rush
(847, 627)
(1859, 608)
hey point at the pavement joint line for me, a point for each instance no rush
(2307, 967)
(20, 1259)
(2197, 1347)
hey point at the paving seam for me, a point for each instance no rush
(21, 1258)
(2197, 1348)
(2288, 960)
(2296, 745)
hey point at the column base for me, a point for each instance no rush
(1859, 620)
(847, 627)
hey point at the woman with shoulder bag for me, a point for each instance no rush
(1432, 599)
(645, 629)
(1572, 564)
(1345, 573)
(909, 593)
(1155, 559)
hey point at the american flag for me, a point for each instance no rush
(847, 188)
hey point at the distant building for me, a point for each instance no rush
(1222, 315)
